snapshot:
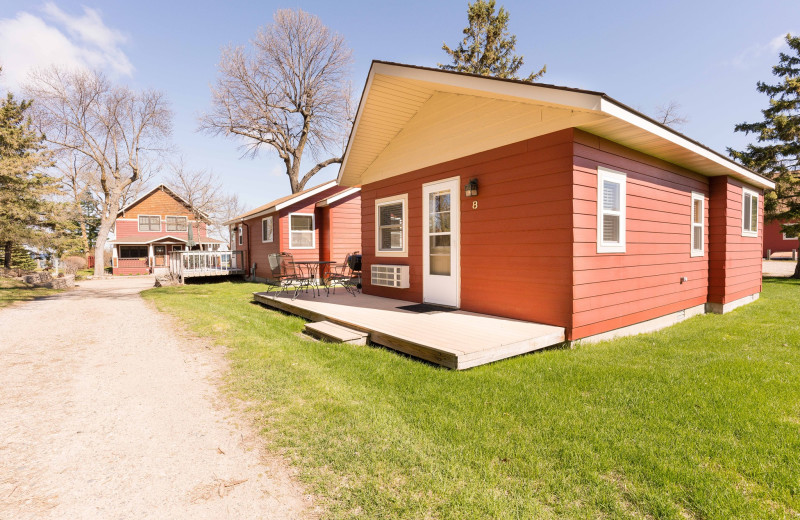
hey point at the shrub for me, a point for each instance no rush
(72, 264)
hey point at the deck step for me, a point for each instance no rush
(328, 331)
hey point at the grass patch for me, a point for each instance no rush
(12, 290)
(701, 420)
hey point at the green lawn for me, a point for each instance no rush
(12, 290)
(701, 420)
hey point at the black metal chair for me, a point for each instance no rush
(343, 275)
(285, 274)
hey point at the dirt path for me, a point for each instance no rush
(107, 412)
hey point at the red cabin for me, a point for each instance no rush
(319, 223)
(776, 240)
(546, 204)
(150, 228)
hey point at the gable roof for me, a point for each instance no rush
(278, 204)
(327, 201)
(410, 117)
(168, 191)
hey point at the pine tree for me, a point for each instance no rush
(777, 155)
(21, 259)
(24, 184)
(487, 48)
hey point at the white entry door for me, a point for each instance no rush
(440, 241)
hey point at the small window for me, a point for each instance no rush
(177, 223)
(266, 229)
(241, 234)
(301, 231)
(391, 230)
(149, 223)
(698, 224)
(177, 248)
(749, 213)
(611, 188)
(791, 235)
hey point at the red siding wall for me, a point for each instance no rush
(259, 251)
(613, 290)
(515, 247)
(345, 227)
(129, 229)
(774, 241)
(735, 269)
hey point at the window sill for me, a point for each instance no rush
(390, 254)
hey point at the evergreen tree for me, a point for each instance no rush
(487, 48)
(21, 259)
(24, 184)
(777, 154)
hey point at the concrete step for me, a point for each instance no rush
(325, 330)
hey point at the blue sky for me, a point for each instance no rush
(706, 55)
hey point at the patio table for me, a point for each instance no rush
(312, 270)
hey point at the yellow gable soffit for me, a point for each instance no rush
(410, 118)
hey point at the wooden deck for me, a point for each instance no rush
(455, 339)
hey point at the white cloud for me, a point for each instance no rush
(28, 41)
(753, 53)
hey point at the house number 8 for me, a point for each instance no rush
(474, 204)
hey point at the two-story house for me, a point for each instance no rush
(151, 227)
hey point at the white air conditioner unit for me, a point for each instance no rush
(390, 276)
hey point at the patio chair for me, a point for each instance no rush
(285, 274)
(342, 275)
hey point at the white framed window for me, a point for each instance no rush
(241, 234)
(749, 213)
(301, 231)
(698, 224)
(149, 223)
(611, 202)
(391, 226)
(176, 223)
(266, 229)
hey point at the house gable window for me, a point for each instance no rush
(749, 213)
(698, 224)
(149, 223)
(177, 223)
(391, 226)
(301, 231)
(611, 206)
(266, 229)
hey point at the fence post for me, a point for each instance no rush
(769, 254)
(794, 255)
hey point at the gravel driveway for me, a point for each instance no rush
(108, 410)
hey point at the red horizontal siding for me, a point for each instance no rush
(735, 260)
(616, 290)
(515, 247)
(774, 241)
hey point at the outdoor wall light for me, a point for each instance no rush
(471, 188)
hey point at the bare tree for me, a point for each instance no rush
(76, 178)
(115, 129)
(206, 195)
(670, 115)
(289, 91)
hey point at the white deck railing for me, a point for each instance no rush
(186, 264)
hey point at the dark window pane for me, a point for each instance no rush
(301, 223)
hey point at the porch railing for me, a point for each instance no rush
(205, 263)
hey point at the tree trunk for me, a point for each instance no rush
(797, 268)
(109, 216)
(7, 256)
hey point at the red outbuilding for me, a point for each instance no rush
(546, 204)
(777, 240)
(320, 223)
